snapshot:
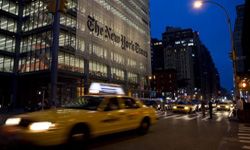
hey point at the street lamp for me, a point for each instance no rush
(197, 5)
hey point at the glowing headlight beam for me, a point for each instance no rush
(12, 121)
(41, 126)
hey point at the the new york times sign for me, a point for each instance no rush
(108, 33)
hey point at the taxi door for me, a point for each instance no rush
(113, 118)
(132, 112)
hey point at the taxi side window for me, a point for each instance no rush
(130, 103)
(113, 104)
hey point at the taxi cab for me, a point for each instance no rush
(184, 106)
(76, 122)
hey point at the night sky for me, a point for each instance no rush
(210, 22)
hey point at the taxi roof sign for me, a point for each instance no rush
(105, 88)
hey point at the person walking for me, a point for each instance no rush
(210, 109)
(203, 109)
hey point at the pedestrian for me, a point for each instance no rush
(210, 109)
(203, 108)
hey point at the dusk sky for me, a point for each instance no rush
(210, 22)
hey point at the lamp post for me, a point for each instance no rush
(198, 4)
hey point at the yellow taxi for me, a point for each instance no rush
(79, 120)
(184, 106)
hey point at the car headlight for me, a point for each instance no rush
(227, 106)
(186, 108)
(231, 105)
(41, 126)
(174, 107)
(218, 106)
(12, 121)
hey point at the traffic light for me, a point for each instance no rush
(63, 6)
(52, 6)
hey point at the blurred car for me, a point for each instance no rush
(197, 104)
(224, 106)
(168, 105)
(152, 102)
(80, 119)
(183, 106)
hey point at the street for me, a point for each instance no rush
(176, 131)
(183, 131)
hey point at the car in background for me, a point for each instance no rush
(226, 105)
(197, 104)
(155, 103)
(96, 114)
(184, 106)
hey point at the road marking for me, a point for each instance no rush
(167, 117)
(244, 134)
(246, 147)
(181, 117)
(219, 119)
(244, 128)
(205, 118)
(244, 137)
(189, 118)
(244, 141)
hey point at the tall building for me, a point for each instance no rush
(246, 36)
(98, 40)
(157, 57)
(189, 62)
(238, 28)
(178, 54)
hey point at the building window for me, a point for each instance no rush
(34, 61)
(70, 62)
(98, 51)
(7, 24)
(6, 64)
(97, 69)
(117, 58)
(68, 40)
(117, 74)
(9, 6)
(36, 15)
(132, 77)
(68, 21)
(36, 42)
(7, 43)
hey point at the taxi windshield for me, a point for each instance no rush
(85, 102)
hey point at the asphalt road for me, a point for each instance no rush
(182, 132)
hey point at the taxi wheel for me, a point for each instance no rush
(144, 126)
(79, 138)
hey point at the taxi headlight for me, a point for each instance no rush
(218, 106)
(41, 126)
(174, 107)
(12, 121)
(186, 108)
(231, 105)
(227, 106)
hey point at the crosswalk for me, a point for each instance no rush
(244, 135)
(217, 116)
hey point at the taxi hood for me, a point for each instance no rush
(50, 114)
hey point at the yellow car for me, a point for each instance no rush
(186, 107)
(78, 121)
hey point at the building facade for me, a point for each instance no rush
(98, 41)
(189, 64)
